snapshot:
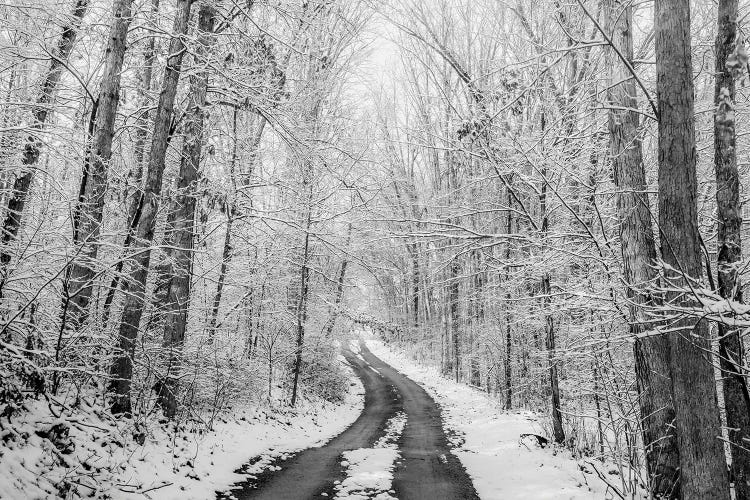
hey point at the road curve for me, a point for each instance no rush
(427, 469)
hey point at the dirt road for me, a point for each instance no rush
(427, 469)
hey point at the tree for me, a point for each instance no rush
(729, 63)
(638, 249)
(32, 148)
(122, 368)
(89, 211)
(135, 174)
(180, 229)
(703, 471)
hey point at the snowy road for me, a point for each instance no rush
(426, 468)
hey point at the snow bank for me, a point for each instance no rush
(193, 463)
(488, 442)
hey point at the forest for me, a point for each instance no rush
(212, 210)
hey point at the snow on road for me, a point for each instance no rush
(499, 464)
(369, 471)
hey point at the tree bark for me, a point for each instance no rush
(180, 231)
(135, 176)
(122, 368)
(703, 469)
(651, 353)
(32, 148)
(415, 281)
(736, 400)
(86, 229)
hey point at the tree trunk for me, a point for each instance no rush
(549, 323)
(301, 312)
(180, 232)
(455, 320)
(226, 257)
(122, 368)
(703, 469)
(651, 353)
(736, 400)
(554, 375)
(90, 209)
(415, 282)
(339, 294)
(476, 316)
(508, 330)
(32, 148)
(135, 176)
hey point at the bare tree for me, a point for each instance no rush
(32, 148)
(180, 230)
(651, 352)
(88, 214)
(122, 369)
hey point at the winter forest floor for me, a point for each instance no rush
(414, 435)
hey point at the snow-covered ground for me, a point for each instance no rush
(501, 464)
(193, 463)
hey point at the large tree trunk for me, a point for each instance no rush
(32, 148)
(736, 400)
(180, 230)
(135, 175)
(703, 469)
(122, 368)
(639, 256)
(86, 227)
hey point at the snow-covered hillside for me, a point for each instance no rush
(91, 455)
